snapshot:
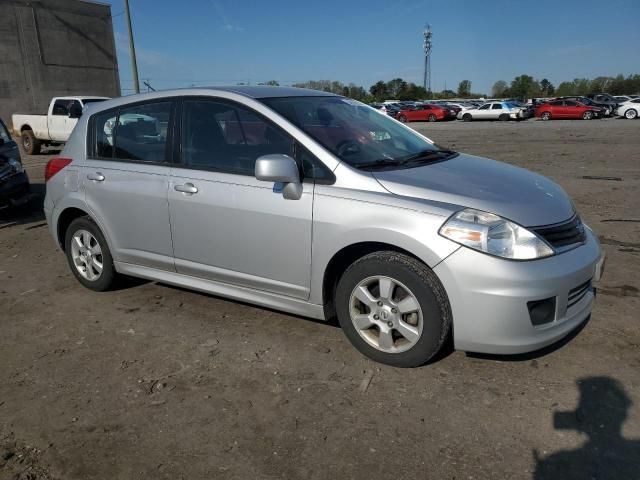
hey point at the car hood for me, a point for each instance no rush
(511, 192)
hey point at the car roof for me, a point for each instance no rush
(85, 97)
(268, 91)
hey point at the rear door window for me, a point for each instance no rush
(137, 133)
(496, 106)
(141, 132)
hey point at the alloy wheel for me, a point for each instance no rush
(386, 314)
(630, 114)
(87, 255)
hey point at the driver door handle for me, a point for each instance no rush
(186, 188)
(96, 177)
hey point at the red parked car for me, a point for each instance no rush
(557, 109)
(426, 113)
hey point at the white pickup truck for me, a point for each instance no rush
(52, 128)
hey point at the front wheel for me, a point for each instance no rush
(467, 117)
(503, 117)
(588, 115)
(432, 117)
(393, 309)
(88, 255)
(630, 114)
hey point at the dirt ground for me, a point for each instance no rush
(155, 382)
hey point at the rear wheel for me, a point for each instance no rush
(467, 117)
(30, 144)
(504, 117)
(588, 115)
(545, 116)
(402, 118)
(432, 118)
(88, 255)
(393, 309)
(630, 114)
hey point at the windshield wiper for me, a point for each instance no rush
(381, 163)
(424, 155)
(427, 154)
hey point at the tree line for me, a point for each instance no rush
(523, 87)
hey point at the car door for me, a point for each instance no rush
(57, 120)
(496, 110)
(483, 112)
(570, 109)
(228, 226)
(125, 181)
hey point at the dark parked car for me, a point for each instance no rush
(14, 183)
(606, 99)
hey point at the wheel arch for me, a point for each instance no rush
(65, 218)
(341, 260)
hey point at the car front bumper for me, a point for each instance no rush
(489, 297)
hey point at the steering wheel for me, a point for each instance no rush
(347, 148)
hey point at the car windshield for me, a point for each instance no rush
(356, 133)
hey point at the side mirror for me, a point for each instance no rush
(280, 168)
(75, 111)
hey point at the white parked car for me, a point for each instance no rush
(629, 109)
(494, 111)
(53, 127)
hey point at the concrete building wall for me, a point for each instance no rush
(52, 48)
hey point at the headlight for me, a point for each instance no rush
(494, 235)
(16, 165)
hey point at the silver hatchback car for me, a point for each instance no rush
(318, 205)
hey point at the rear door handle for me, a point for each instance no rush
(96, 177)
(186, 188)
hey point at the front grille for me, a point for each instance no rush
(563, 234)
(576, 294)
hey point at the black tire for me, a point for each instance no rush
(588, 115)
(30, 144)
(402, 118)
(545, 116)
(432, 118)
(467, 117)
(504, 117)
(427, 289)
(631, 114)
(109, 275)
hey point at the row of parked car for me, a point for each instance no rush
(569, 107)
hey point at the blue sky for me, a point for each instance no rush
(214, 42)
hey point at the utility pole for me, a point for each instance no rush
(427, 44)
(132, 48)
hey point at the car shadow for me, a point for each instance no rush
(26, 214)
(606, 454)
(523, 357)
